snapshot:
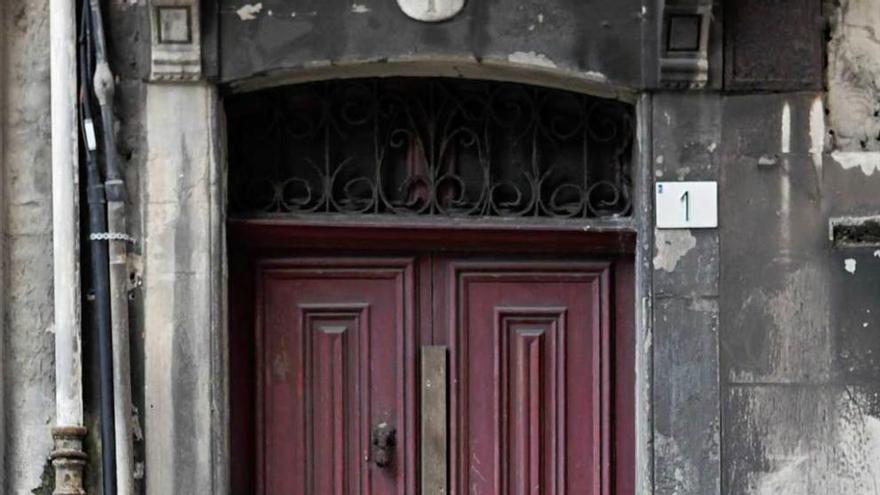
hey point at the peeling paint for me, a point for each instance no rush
(531, 58)
(671, 246)
(867, 161)
(683, 473)
(853, 75)
(248, 12)
(785, 476)
(767, 161)
(849, 265)
(595, 75)
(829, 444)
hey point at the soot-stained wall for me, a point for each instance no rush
(591, 39)
(765, 335)
(796, 369)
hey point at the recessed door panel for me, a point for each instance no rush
(335, 360)
(528, 343)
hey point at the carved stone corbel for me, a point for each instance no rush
(176, 45)
(684, 44)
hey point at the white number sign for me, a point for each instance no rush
(686, 205)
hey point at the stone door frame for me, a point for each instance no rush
(186, 415)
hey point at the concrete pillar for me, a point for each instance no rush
(184, 259)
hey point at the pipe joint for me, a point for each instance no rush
(114, 190)
(104, 84)
(68, 459)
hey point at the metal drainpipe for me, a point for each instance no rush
(114, 188)
(99, 264)
(68, 458)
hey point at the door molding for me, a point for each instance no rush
(267, 236)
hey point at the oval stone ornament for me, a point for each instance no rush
(431, 10)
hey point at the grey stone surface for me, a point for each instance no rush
(686, 414)
(853, 70)
(182, 213)
(686, 135)
(855, 276)
(572, 36)
(795, 440)
(28, 361)
(775, 311)
(798, 372)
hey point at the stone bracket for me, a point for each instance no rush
(176, 46)
(684, 44)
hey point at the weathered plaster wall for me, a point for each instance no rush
(687, 134)
(854, 74)
(2, 247)
(591, 40)
(28, 347)
(183, 224)
(798, 373)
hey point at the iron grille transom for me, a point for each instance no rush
(434, 147)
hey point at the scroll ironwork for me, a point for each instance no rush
(433, 147)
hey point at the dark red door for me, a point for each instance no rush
(335, 364)
(529, 374)
(529, 343)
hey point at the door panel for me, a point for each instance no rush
(528, 345)
(335, 352)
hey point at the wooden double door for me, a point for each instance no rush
(441, 374)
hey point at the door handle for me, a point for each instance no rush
(383, 440)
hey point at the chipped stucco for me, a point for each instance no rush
(28, 347)
(867, 162)
(838, 453)
(531, 58)
(854, 75)
(849, 265)
(248, 12)
(358, 8)
(671, 246)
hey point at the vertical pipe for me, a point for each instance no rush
(65, 221)
(121, 351)
(2, 236)
(68, 458)
(99, 263)
(114, 188)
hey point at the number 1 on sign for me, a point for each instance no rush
(686, 199)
